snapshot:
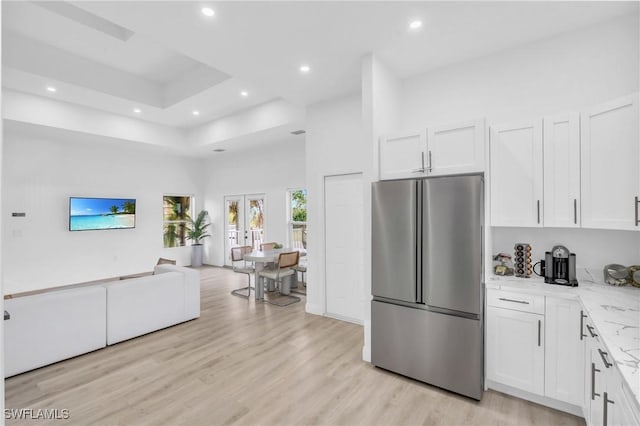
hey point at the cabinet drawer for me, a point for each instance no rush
(516, 301)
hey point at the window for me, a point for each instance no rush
(297, 212)
(176, 216)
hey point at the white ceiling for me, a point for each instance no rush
(176, 60)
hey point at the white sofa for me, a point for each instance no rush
(142, 305)
(59, 324)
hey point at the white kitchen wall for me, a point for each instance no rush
(271, 170)
(559, 74)
(41, 173)
(594, 248)
(334, 145)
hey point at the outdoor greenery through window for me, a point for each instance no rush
(298, 218)
(176, 215)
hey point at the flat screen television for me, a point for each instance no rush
(86, 214)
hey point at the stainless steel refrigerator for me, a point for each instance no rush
(426, 312)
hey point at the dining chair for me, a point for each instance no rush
(241, 266)
(267, 246)
(302, 268)
(283, 270)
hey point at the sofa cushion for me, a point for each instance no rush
(140, 306)
(52, 326)
(191, 288)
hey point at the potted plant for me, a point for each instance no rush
(197, 232)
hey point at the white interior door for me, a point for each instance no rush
(344, 233)
(244, 224)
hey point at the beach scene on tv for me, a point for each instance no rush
(101, 213)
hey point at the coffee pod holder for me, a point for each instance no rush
(522, 260)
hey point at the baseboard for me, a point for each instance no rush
(314, 309)
(366, 353)
(538, 399)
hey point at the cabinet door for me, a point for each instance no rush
(403, 156)
(515, 349)
(516, 175)
(610, 154)
(456, 148)
(562, 171)
(598, 378)
(564, 351)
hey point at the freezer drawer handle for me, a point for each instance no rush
(582, 317)
(594, 370)
(605, 412)
(603, 355)
(591, 331)
(504, 299)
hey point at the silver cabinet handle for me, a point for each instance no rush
(605, 411)
(538, 207)
(591, 331)
(636, 207)
(582, 317)
(524, 302)
(594, 370)
(7, 315)
(430, 167)
(539, 330)
(421, 169)
(603, 355)
(575, 211)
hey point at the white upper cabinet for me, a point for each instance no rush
(448, 150)
(561, 143)
(456, 148)
(610, 156)
(516, 175)
(403, 156)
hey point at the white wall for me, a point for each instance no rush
(39, 176)
(594, 248)
(271, 170)
(559, 74)
(335, 145)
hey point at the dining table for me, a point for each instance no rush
(261, 258)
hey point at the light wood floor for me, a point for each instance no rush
(248, 363)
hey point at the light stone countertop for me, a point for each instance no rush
(614, 311)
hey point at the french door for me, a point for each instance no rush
(244, 222)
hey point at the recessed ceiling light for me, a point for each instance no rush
(304, 69)
(137, 110)
(414, 25)
(195, 112)
(207, 11)
(244, 93)
(51, 89)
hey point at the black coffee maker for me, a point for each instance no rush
(559, 267)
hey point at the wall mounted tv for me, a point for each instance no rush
(87, 214)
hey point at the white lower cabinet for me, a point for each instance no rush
(605, 402)
(515, 346)
(564, 351)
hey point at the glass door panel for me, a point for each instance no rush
(244, 222)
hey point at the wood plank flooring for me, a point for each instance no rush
(251, 364)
